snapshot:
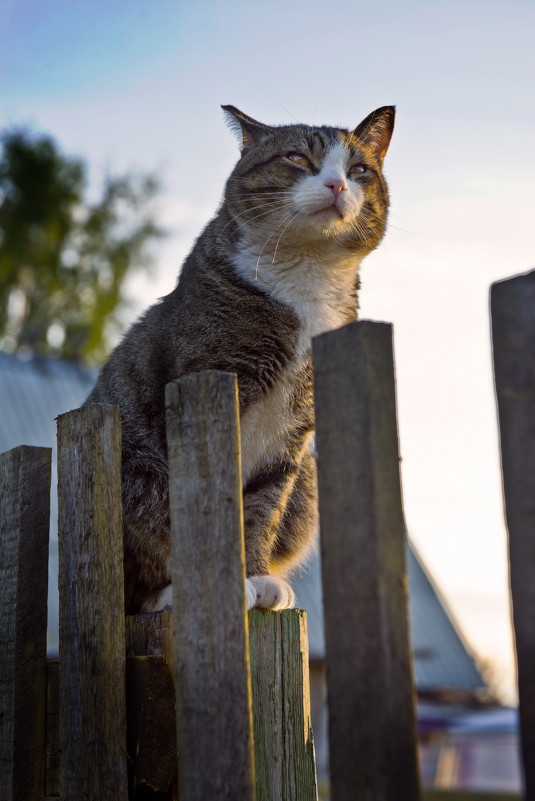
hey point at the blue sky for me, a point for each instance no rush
(135, 84)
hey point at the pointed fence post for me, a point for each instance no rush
(372, 724)
(24, 529)
(513, 335)
(91, 611)
(211, 653)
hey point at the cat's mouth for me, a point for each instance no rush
(331, 210)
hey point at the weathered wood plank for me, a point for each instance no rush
(151, 740)
(513, 334)
(24, 531)
(150, 634)
(91, 611)
(151, 735)
(151, 712)
(52, 729)
(211, 654)
(372, 729)
(284, 744)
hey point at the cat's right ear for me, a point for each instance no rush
(248, 131)
(376, 130)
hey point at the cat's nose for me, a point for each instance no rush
(336, 185)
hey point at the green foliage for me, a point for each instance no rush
(63, 259)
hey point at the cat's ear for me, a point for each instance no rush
(248, 131)
(376, 130)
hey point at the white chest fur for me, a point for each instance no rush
(319, 292)
(264, 428)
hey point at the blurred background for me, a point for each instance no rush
(115, 153)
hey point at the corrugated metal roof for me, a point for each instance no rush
(34, 391)
(32, 394)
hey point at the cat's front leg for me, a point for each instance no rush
(264, 502)
(146, 528)
(294, 539)
(272, 508)
(265, 592)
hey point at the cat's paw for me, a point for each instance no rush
(159, 600)
(268, 592)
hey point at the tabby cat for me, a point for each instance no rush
(277, 265)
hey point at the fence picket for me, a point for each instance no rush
(284, 743)
(24, 529)
(150, 705)
(91, 612)
(513, 334)
(211, 657)
(372, 722)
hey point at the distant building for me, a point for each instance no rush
(464, 735)
(32, 394)
(449, 684)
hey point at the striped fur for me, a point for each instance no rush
(277, 265)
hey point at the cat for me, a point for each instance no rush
(276, 266)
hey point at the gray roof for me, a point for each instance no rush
(442, 659)
(442, 656)
(34, 391)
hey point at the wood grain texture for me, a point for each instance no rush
(151, 739)
(150, 634)
(284, 744)
(150, 711)
(513, 335)
(52, 729)
(211, 654)
(372, 725)
(91, 611)
(151, 707)
(24, 532)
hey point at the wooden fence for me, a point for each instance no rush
(225, 690)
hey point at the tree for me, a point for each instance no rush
(63, 259)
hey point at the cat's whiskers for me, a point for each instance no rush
(267, 207)
(314, 113)
(254, 192)
(279, 205)
(371, 221)
(362, 233)
(273, 208)
(245, 179)
(293, 214)
(294, 218)
(264, 196)
(359, 225)
(280, 105)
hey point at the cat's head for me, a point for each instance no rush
(312, 185)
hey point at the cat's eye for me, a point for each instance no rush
(299, 159)
(357, 169)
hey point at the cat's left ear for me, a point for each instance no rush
(376, 130)
(248, 130)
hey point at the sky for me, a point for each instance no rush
(138, 84)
